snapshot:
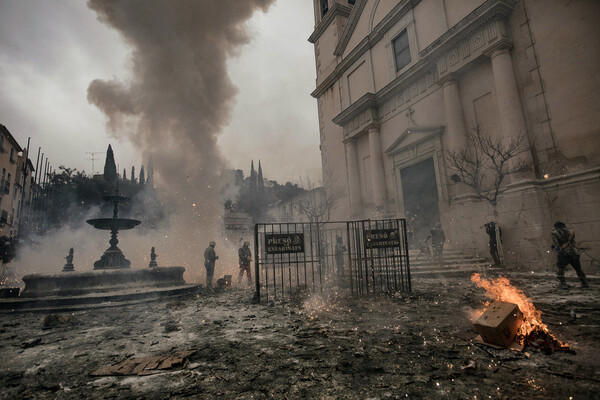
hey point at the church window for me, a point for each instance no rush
(401, 50)
(324, 7)
(351, 2)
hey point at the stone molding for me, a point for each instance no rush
(561, 180)
(420, 135)
(335, 10)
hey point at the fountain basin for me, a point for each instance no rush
(108, 224)
(79, 283)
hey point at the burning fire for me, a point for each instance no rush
(533, 330)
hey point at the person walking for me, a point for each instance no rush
(210, 256)
(245, 256)
(437, 242)
(563, 242)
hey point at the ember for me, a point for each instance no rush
(533, 332)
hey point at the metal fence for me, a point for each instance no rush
(294, 258)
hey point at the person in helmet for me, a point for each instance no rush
(209, 263)
(245, 256)
(563, 242)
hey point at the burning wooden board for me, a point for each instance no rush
(499, 323)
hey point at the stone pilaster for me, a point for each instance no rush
(509, 102)
(353, 179)
(377, 170)
(455, 119)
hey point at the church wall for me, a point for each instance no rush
(430, 21)
(332, 147)
(326, 60)
(382, 8)
(570, 102)
(456, 10)
(361, 30)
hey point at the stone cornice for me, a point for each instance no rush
(365, 102)
(465, 27)
(565, 179)
(334, 11)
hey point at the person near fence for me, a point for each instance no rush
(563, 242)
(210, 257)
(245, 256)
(437, 242)
(340, 249)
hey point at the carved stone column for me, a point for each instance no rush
(353, 179)
(377, 170)
(455, 119)
(509, 102)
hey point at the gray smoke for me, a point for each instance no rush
(177, 101)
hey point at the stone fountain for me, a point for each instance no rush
(113, 257)
(112, 278)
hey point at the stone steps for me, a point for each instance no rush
(454, 263)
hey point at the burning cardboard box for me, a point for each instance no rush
(499, 323)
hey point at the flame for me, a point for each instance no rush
(532, 327)
(501, 289)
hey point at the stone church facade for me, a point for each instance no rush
(400, 83)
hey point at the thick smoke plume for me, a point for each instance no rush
(176, 103)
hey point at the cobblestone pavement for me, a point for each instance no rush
(324, 347)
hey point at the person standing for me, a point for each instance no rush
(563, 242)
(437, 242)
(209, 263)
(245, 256)
(490, 229)
(340, 249)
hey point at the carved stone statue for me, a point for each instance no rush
(153, 256)
(69, 265)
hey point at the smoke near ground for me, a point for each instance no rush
(176, 104)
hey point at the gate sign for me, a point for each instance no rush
(382, 238)
(280, 243)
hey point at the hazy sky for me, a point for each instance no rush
(50, 52)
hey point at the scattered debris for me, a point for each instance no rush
(470, 366)
(176, 305)
(224, 282)
(31, 343)
(171, 326)
(56, 320)
(146, 365)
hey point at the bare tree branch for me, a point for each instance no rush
(320, 199)
(486, 161)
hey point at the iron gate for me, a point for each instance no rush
(363, 257)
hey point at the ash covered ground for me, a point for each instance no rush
(411, 346)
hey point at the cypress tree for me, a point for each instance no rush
(110, 168)
(142, 176)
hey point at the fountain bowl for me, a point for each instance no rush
(108, 224)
